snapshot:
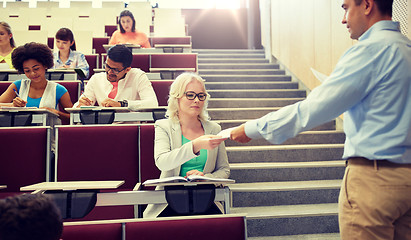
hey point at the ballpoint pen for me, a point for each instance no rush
(17, 94)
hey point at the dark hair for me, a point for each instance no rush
(385, 6)
(37, 51)
(8, 29)
(30, 216)
(121, 53)
(66, 34)
(124, 14)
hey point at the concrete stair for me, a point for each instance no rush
(288, 191)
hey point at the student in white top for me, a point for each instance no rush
(120, 85)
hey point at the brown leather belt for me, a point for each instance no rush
(376, 163)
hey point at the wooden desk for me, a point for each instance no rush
(174, 48)
(121, 114)
(122, 197)
(61, 74)
(42, 117)
(72, 185)
(51, 74)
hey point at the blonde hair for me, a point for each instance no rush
(177, 90)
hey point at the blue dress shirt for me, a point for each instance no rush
(75, 60)
(371, 83)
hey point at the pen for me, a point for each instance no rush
(17, 94)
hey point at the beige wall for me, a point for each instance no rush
(309, 34)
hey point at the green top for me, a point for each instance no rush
(196, 163)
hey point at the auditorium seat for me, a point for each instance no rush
(162, 89)
(108, 231)
(92, 60)
(170, 65)
(73, 88)
(225, 227)
(170, 40)
(98, 43)
(141, 61)
(148, 168)
(25, 154)
(99, 153)
(110, 29)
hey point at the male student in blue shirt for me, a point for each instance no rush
(371, 84)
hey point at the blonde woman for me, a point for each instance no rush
(7, 45)
(186, 142)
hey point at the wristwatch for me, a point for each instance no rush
(123, 103)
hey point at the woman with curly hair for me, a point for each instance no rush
(128, 33)
(33, 59)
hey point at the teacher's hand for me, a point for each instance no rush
(208, 142)
(239, 135)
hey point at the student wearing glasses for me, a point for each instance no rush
(186, 142)
(120, 85)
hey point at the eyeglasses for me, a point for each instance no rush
(192, 95)
(114, 70)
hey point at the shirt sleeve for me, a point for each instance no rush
(83, 64)
(146, 92)
(346, 86)
(60, 91)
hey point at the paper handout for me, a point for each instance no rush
(226, 132)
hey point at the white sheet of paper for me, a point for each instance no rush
(320, 76)
(226, 132)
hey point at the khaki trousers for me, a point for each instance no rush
(375, 201)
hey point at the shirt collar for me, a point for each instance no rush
(70, 58)
(378, 26)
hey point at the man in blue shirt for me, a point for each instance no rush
(371, 84)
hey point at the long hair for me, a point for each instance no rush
(124, 14)
(66, 34)
(177, 90)
(8, 29)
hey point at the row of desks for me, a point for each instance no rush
(11, 116)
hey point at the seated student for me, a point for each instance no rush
(33, 59)
(7, 45)
(67, 56)
(184, 143)
(30, 216)
(128, 33)
(120, 85)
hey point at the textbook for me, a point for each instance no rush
(189, 179)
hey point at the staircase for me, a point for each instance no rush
(288, 191)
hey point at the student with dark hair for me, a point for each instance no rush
(120, 85)
(128, 33)
(67, 56)
(30, 216)
(371, 85)
(33, 59)
(7, 45)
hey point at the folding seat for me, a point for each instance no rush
(162, 89)
(228, 227)
(25, 157)
(108, 231)
(98, 153)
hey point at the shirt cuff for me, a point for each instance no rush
(251, 129)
